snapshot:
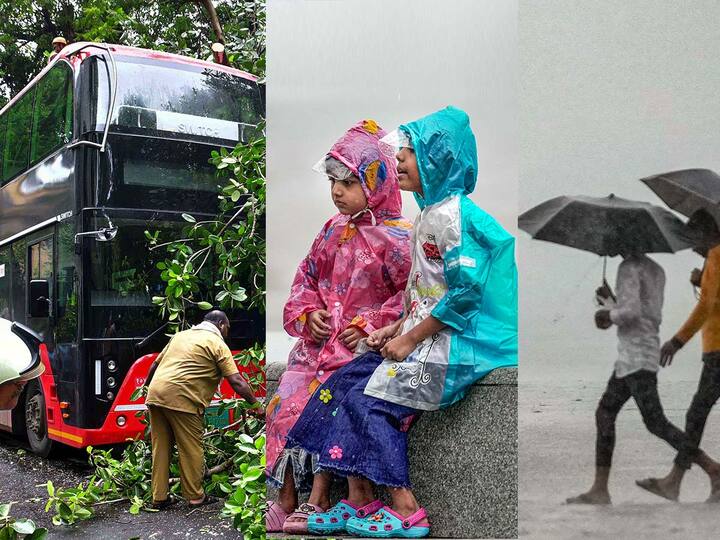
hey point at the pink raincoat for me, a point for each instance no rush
(356, 270)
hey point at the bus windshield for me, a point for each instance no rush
(185, 100)
(123, 277)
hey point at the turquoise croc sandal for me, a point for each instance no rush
(334, 520)
(389, 524)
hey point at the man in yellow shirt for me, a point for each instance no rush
(182, 382)
(705, 317)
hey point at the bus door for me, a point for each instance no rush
(40, 287)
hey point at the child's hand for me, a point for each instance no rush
(398, 348)
(379, 338)
(319, 329)
(351, 336)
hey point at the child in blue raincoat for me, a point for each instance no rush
(460, 323)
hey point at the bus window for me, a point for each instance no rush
(17, 142)
(167, 99)
(19, 281)
(52, 119)
(123, 277)
(67, 309)
(189, 90)
(3, 133)
(5, 283)
(162, 174)
(41, 262)
(40, 255)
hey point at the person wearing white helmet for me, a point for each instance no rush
(58, 44)
(19, 361)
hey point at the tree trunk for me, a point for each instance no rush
(214, 20)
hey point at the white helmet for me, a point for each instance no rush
(20, 353)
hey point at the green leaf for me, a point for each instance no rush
(225, 488)
(64, 511)
(39, 534)
(24, 526)
(204, 305)
(5, 510)
(252, 475)
(50, 488)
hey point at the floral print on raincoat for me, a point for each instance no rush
(356, 270)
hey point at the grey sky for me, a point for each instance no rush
(333, 63)
(610, 92)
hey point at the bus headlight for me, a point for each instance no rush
(111, 365)
(110, 395)
(121, 420)
(111, 382)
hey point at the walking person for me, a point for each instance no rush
(637, 315)
(705, 317)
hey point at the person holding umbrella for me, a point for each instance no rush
(612, 226)
(705, 317)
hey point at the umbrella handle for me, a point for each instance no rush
(604, 268)
(605, 284)
(609, 289)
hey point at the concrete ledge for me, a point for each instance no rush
(463, 460)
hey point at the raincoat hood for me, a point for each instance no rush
(446, 154)
(359, 150)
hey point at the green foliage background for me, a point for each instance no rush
(27, 28)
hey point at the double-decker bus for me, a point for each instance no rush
(104, 143)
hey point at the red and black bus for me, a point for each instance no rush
(106, 142)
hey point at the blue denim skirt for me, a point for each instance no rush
(351, 434)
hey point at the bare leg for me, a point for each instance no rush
(712, 469)
(405, 504)
(615, 396)
(668, 486)
(320, 494)
(287, 496)
(360, 491)
(598, 492)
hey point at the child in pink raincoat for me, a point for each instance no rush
(350, 284)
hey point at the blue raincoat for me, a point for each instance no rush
(463, 273)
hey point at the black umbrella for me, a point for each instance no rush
(688, 190)
(607, 226)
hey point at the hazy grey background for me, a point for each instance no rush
(610, 92)
(333, 63)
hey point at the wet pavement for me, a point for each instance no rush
(22, 479)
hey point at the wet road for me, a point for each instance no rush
(22, 475)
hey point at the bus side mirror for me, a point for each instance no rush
(39, 294)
